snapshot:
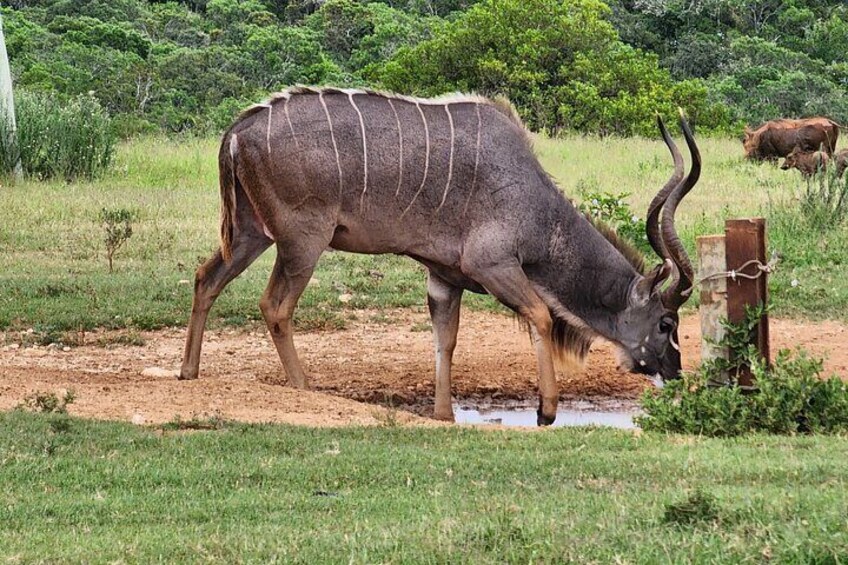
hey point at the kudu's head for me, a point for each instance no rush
(647, 328)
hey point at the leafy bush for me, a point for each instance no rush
(58, 140)
(616, 213)
(791, 396)
(48, 402)
(561, 63)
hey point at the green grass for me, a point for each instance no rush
(82, 491)
(54, 275)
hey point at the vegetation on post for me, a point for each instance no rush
(790, 396)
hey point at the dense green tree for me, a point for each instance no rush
(173, 22)
(827, 40)
(575, 64)
(91, 31)
(561, 63)
(358, 35)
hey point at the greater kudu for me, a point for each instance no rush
(452, 183)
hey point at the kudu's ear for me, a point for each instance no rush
(651, 283)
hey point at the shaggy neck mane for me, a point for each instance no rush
(627, 249)
(571, 336)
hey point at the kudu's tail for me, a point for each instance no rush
(228, 181)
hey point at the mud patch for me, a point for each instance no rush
(369, 374)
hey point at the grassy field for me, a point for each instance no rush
(54, 275)
(82, 491)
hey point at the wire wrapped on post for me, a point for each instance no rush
(733, 274)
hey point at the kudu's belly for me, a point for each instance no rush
(439, 256)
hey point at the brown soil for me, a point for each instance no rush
(385, 363)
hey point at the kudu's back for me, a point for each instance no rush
(394, 174)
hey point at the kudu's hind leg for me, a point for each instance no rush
(443, 300)
(510, 286)
(210, 280)
(292, 271)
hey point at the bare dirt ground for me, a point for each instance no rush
(356, 372)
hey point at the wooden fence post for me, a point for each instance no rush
(745, 240)
(713, 309)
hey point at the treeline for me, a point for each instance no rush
(578, 65)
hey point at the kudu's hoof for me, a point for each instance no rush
(299, 385)
(186, 376)
(542, 420)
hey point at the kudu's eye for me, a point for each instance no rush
(666, 326)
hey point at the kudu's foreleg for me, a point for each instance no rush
(291, 274)
(510, 285)
(443, 299)
(210, 280)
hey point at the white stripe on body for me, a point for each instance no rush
(450, 161)
(426, 158)
(333, 138)
(400, 148)
(291, 127)
(364, 150)
(476, 160)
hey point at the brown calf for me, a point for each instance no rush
(808, 162)
(841, 160)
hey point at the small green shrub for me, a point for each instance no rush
(791, 396)
(56, 139)
(118, 226)
(48, 402)
(614, 211)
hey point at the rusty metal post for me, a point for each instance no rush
(713, 309)
(745, 240)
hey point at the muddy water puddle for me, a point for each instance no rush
(615, 414)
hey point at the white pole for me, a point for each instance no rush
(713, 309)
(7, 99)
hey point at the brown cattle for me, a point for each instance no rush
(808, 162)
(778, 138)
(841, 160)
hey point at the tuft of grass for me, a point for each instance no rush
(387, 418)
(196, 423)
(48, 402)
(699, 507)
